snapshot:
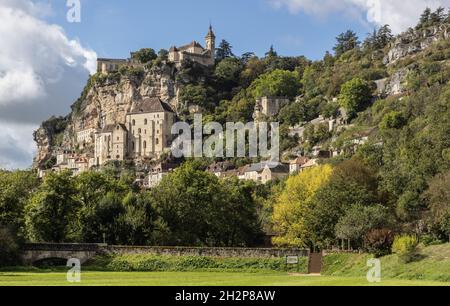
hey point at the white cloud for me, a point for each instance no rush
(399, 14)
(16, 145)
(42, 72)
(34, 53)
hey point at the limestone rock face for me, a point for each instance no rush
(45, 139)
(414, 41)
(107, 101)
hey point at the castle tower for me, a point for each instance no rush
(211, 42)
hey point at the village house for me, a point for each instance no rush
(271, 173)
(310, 164)
(296, 164)
(195, 51)
(264, 172)
(157, 173)
(221, 169)
(86, 137)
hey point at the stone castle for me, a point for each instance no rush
(194, 52)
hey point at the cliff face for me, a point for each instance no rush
(415, 41)
(107, 99)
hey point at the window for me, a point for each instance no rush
(139, 131)
(145, 132)
(134, 122)
(118, 138)
(145, 121)
(145, 145)
(157, 141)
(132, 145)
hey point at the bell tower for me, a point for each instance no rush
(211, 42)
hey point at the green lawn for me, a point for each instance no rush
(192, 279)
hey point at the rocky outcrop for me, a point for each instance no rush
(46, 137)
(394, 85)
(415, 41)
(107, 101)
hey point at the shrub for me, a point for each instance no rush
(9, 248)
(355, 95)
(379, 242)
(165, 263)
(405, 247)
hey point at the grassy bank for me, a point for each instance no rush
(152, 263)
(432, 264)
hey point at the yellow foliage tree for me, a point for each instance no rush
(293, 204)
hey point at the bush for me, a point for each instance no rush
(405, 247)
(9, 248)
(379, 242)
(159, 263)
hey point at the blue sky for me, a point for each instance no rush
(113, 28)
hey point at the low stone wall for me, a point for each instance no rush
(208, 252)
(42, 249)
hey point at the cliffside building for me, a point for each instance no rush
(145, 134)
(269, 106)
(195, 51)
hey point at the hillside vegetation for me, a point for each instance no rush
(432, 263)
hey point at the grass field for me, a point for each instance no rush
(192, 279)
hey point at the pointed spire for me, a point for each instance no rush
(210, 32)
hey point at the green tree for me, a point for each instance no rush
(359, 220)
(425, 18)
(102, 221)
(200, 210)
(15, 190)
(345, 42)
(352, 183)
(277, 83)
(228, 71)
(225, 50)
(194, 95)
(145, 55)
(438, 201)
(355, 94)
(51, 211)
(271, 53)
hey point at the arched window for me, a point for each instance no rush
(145, 121)
(132, 145)
(145, 145)
(139, 131)
(134, 122)
(157, 141)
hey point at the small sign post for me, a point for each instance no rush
(292, 260)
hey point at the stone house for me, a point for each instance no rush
(264, 172)
(111, 143)
(296, 164)
(310, 164)
(145, 134)
(269, 106)
(149, 124)
(219, 169)
(271, 173)
(108, 65)
(157, 173)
